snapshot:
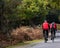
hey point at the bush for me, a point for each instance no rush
(26, 33)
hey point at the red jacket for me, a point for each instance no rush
(45, 26)
(55, 26)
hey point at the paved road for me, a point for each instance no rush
(49, 44)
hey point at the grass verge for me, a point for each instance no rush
(25, 43)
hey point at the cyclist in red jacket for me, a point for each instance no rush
(53, 28)
(45, 27)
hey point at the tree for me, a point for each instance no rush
(13, 12)
(53, 11)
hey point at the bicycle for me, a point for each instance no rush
(52, 36)
(46, 37)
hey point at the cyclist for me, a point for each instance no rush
(53, 28)
(45, 27)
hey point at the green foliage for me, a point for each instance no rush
(31, 8)
(12, 12)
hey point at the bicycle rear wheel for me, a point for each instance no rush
(53, 37)
(46, 38)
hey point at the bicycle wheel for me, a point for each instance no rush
(53, 37)
(45, 38)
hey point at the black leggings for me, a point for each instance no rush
(45, 31)
(53, 30)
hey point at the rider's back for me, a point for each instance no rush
(53, 26)
(45, 26)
